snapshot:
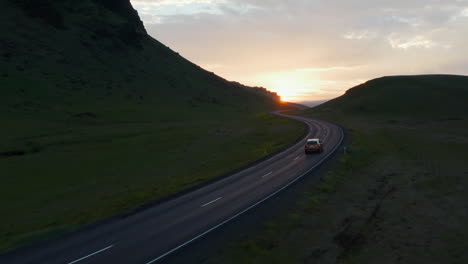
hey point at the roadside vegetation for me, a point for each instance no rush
(396, 194)
(73, 172)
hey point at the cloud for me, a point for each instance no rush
(398, 42)
(174, 2)
(359, 35)
(464, 12)
(277, 43)
(159, 11)
(168, 11)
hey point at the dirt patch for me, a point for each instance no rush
(86, 115)
(352, 237)
(14, 153)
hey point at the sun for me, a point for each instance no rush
(287, 85)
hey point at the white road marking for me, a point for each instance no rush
(297, 157)
(212, 201)
(268, 174)
(90, 255)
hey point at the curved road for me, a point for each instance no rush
(149, 235)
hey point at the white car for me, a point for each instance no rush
(313, 145)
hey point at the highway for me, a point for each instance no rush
(149, 235)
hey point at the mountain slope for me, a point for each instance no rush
(99, 118)
(417, 96)
(99, 51)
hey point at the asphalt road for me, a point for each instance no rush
(151, 234)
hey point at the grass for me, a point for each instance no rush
(87, 170)
(390, 198)
(397, 196)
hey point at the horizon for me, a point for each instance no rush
(312, 50)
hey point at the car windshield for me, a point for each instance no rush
(312, 143)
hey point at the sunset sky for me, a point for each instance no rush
(309, 50)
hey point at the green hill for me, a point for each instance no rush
(97, 118)
(79, 55)
(428, 96)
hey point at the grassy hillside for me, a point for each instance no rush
(98, 58)
(99, 118)
(428, 96)
(397, 195)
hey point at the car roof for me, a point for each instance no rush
(313, 140)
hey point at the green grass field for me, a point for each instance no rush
(75, 172)
(398, 195)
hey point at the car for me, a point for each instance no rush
(313, 145)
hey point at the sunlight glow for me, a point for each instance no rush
(286, 87)
(302, 86)
(291, 86)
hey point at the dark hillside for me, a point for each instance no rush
(98, 118)
(441, 96)
(98, 51)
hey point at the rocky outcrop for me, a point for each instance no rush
(125, 9)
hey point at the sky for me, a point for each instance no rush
(310, 50)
